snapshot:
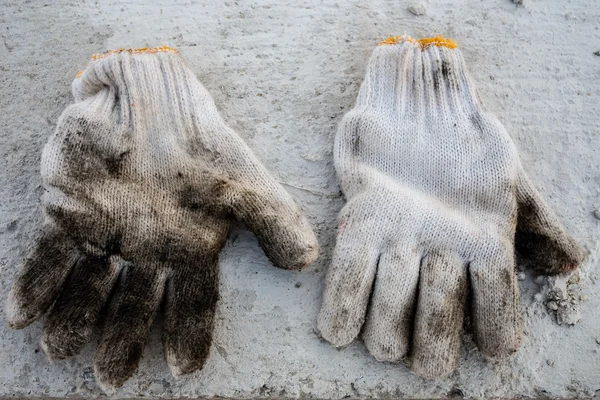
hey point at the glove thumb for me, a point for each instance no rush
(540, 237)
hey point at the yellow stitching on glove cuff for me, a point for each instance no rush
(424, 43)
(141, 50)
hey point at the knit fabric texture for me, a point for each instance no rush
(437, 201)
(143, 181)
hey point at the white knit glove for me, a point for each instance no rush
(437, 201)
(143, 181)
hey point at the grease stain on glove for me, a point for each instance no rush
(143, 181)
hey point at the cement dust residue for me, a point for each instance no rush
(282, 74)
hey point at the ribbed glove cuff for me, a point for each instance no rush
(425, 76)
(107, 69)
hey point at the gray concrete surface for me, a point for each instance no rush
(283, 73)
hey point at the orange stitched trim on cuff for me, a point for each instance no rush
(399, 39)
(141, 50)
(438, 41)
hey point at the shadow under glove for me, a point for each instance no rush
(437, 202)
(143, 181)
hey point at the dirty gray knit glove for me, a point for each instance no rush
(143, 181)
(437, 201)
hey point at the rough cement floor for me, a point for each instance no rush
(283, 73)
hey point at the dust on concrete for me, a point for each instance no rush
(283, 74)
(563, 298)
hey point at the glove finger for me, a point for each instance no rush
(130, 315)
(72, 318)
(389, 323)
(440, 315)
(496, 316)
(540, 236)
(347, 287)
(192, 294)
(40, 281)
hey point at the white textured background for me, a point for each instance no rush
(283, 73)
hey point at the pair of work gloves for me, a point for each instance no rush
(143, 181)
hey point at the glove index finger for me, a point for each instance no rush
(42, 277)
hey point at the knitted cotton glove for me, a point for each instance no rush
(437, 202)
(142, 181)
